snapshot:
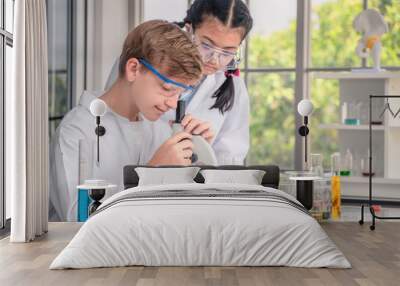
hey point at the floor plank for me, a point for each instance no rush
(374, 255)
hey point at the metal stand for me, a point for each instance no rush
(96, 195)
(370, 201)
(304, 193)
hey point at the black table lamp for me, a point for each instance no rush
(305, 185)
(305, 108)
(98, 108)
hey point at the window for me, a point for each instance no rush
(6, 44)
(272, 41)
(67, 55)
(268, 68)
(57, 13)
(333, 42)
(9, 16)
(269, 72)
(272, 118)
(333, 38)
(59, 27)
(390, 9)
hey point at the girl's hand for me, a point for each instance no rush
(197, 127)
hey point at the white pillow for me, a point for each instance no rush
(248, 177)
(162, 176)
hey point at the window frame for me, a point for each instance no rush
(76, 38)
(6, 39)
(68, 70)
(302, 69)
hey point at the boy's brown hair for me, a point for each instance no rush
(163, 45)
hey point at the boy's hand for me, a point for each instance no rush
(177, 150)
(197, 127)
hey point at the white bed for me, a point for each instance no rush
(201, 224)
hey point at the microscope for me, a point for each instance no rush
(203, 154)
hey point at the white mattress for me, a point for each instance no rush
(185, 230)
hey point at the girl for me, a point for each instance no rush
(218, 27)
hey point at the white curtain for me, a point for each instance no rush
(27, 124)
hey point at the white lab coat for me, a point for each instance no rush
(124, 143)
(231, 141)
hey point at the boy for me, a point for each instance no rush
(158, 62)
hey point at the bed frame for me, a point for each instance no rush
(270, 179)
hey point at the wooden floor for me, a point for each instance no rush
(375, 257)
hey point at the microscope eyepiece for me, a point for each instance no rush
(180, 111)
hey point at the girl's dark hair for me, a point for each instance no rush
(233, 14)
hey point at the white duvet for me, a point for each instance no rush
(207, 230)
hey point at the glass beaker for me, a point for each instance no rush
(86, 159)
(335, 164)
(346, 167)
(364, 113)
(364, 165)
(344, 112)
(316, 164)
(353, 114)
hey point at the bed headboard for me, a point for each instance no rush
(270, 179)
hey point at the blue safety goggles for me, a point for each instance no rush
(163, 77)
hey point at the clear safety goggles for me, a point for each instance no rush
(225, 59)
(179, 87)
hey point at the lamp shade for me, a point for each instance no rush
(98, 107)
(305, 107)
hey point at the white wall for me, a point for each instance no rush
(107, 29)
(115, 29)
(171, 10)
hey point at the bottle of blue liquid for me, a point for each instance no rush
(85, 165)
(83, 205)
